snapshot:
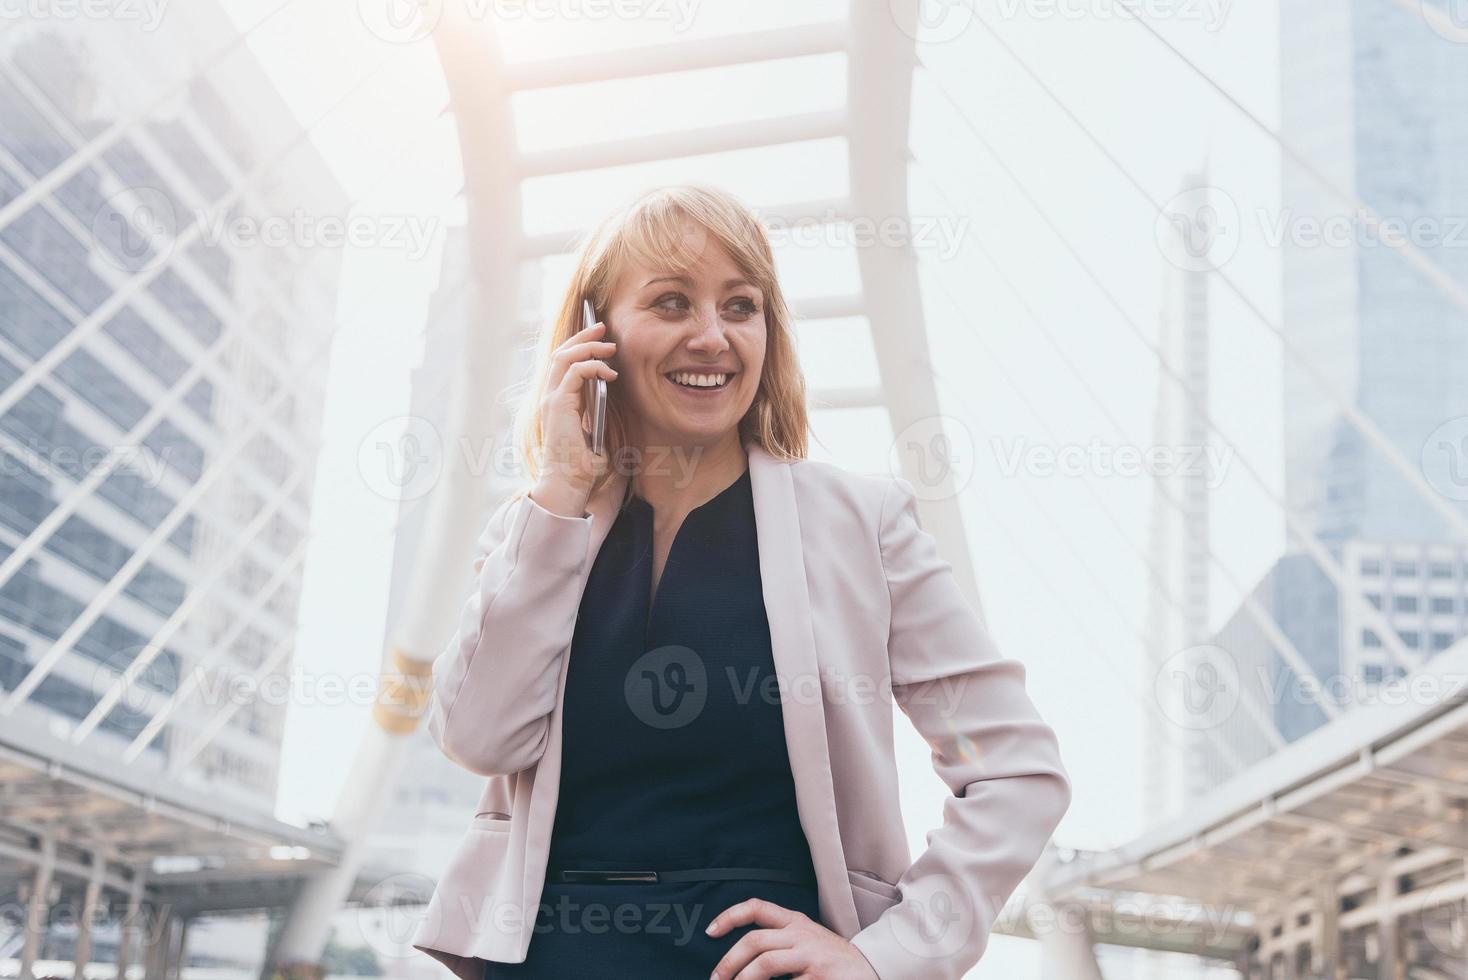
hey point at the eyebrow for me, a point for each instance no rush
(728, 283)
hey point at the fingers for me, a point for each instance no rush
(752, 910)
(774, 963)
(581, 346)
(580, 371)
(756, 954)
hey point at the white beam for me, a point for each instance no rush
(684, 143)
(658, 59)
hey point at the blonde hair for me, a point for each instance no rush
(651, 229)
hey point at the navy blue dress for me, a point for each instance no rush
(673, 756)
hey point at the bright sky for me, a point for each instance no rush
(394, 154)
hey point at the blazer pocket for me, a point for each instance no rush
(491, 820)
(873, 896)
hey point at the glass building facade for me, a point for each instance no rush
(185, 363)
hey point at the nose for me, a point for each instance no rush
(708, 334)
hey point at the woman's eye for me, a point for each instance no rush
(744, 306)
(671, 302)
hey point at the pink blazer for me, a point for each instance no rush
(862, 612)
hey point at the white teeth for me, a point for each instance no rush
(699, 380)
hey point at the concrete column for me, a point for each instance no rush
(90, 904)
(1386, 925)
(38, 908)
(156, 967)
(1328, 931)
(1067, 952)
(1287, 950)
(179, 946)
(132, 922)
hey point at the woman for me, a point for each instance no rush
(678, 663)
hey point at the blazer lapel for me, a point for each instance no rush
(793, 641)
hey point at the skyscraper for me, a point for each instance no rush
(1368, 99)
(198, 363)
(1371, 96)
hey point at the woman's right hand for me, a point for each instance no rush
(569, 467)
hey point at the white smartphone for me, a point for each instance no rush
(594, 397)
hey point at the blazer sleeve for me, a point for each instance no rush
(990, 746)
(494, 685)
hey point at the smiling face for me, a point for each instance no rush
(690, 346)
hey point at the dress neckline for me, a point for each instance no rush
(636, 501)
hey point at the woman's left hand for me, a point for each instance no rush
(793, 944)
